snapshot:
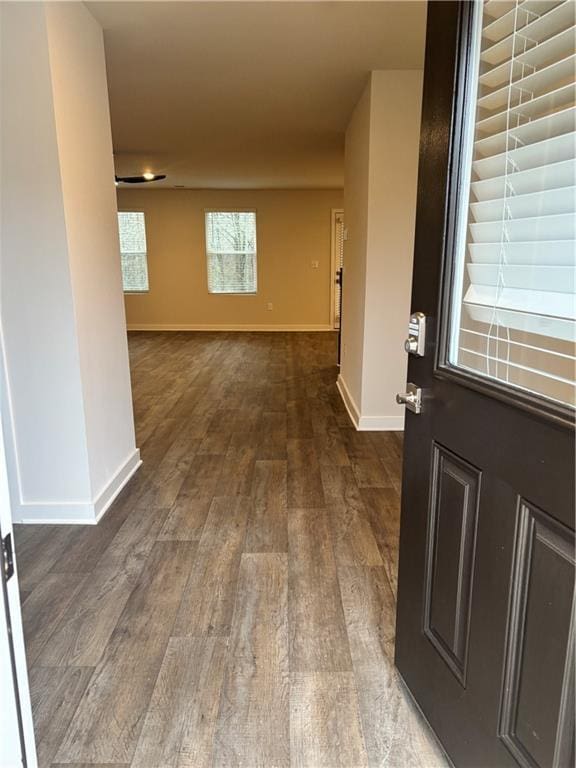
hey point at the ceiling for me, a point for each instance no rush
(246, 94)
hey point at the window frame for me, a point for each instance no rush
(146, 290)
(548, 410)
(230, 209)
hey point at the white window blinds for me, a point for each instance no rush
(231, 251)
(133, 251)
(514, 315)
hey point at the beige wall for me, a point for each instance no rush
(293, 229)
(380, 200)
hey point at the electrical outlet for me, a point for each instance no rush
(315, 264)
(269, 306)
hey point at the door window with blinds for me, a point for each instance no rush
(513, 315)
(231, 251)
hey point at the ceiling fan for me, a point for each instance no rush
(143, 179)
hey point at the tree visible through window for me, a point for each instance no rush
(133, 251)
(231, 251)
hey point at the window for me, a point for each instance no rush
(515, 313)
(231, 251)
(133, 251)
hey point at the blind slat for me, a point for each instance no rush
(552, 176)
(544, 203)
(555, 20)
(536, 155)
(557, 47)
(555, 278)
(537, 83)
(561, 227)
(531, 302)
(505, 361)
(483, 337)
(518, 320)
(526, 13)
(540, 129)
(556, 252)
(528, 110)
(493, 9)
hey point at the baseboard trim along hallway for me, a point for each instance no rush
(194, 327)
(78, 512)
(367, 423)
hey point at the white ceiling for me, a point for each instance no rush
(246, 94)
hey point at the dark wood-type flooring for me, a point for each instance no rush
(235, 606)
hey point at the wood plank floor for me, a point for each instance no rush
(235, 606)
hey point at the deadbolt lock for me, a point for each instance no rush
(416, 340)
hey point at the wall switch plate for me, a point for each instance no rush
(269, 306)
(315, 264)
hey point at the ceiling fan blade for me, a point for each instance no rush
(139, 179)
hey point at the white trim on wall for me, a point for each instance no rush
(78, 512)
(113, 487)
(348, 401)
(196, 327)
(381, 424)
(367, 423)
(333, 213)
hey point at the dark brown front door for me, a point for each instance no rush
(485, 625)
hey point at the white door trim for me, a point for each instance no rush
(333, 213)
(16, 726)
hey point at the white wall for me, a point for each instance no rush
(36, 299)
(85, 150)
(357, 175)
(380, 206)
(68, 401)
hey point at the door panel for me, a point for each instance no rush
(451, 547)
(537, 724)
(484, 463)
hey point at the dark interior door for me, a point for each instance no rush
(485, 623)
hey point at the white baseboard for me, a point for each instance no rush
(78, 512)
(367, 423)
(195, 327)
(54, 513)
(348, 401)
(107, 495)
(381, 424)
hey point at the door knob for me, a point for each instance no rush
(412, 398)
(411, 345)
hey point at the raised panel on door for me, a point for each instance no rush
(450, 557)
(537, 722)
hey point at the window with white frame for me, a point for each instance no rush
(133, 251)
(231, 251)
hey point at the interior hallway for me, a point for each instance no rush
(235, 607)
